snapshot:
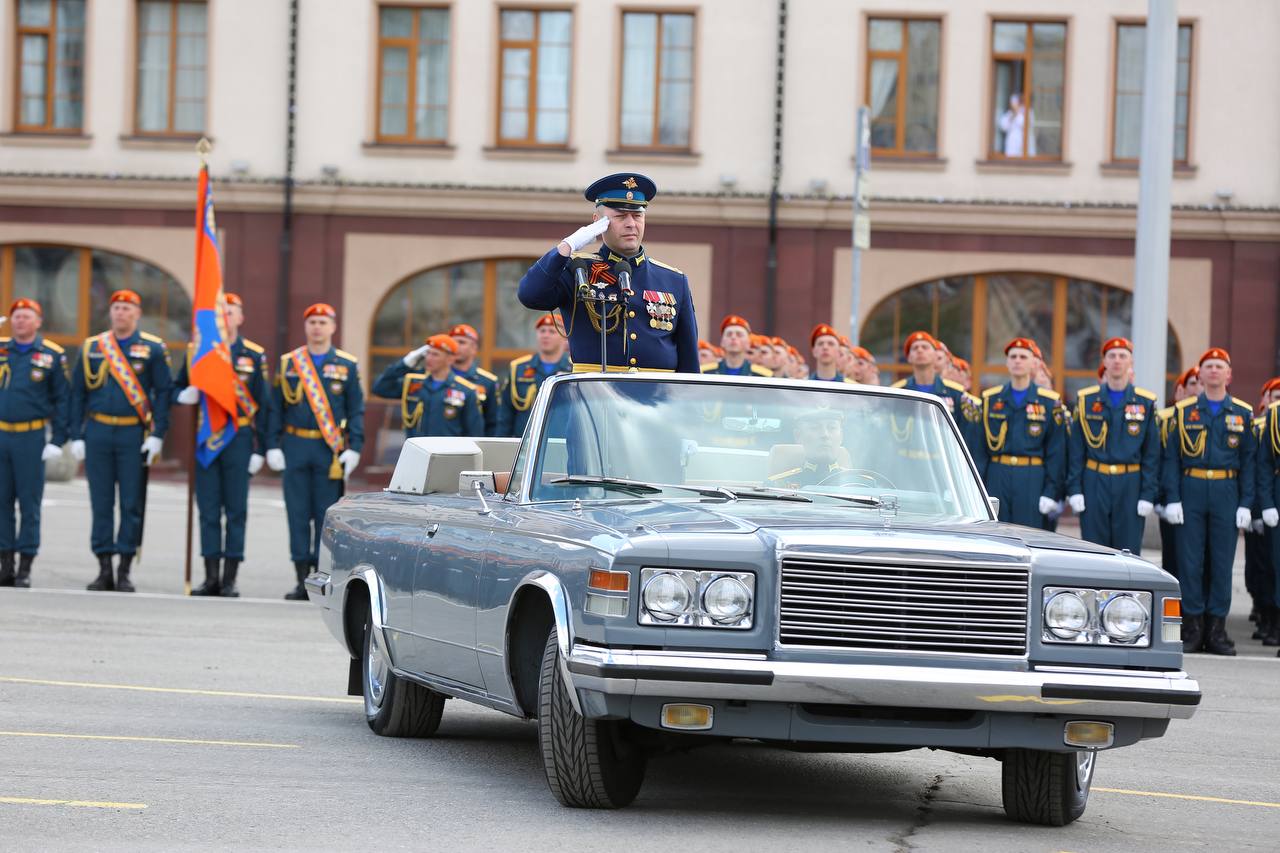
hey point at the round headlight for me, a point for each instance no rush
(726, 599)
(666, 596)
(1066, 615)
(1124, 618)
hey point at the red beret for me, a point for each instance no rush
(734, 320)
(793, 351)
(1117, 343)
(919, 336)
(443, 342)
(821, 331)
(863, 353)
(126, 296)
(758, 340)
(320, 309)
(1023, 343)
(777, 341)
(545, 320)
(233, 299)
(29, 304)
(1215, 352)
(462, 330)
(719, 351)
(1187, 375)
(706, 345)
(1271, 384)
(845, 342)
(961, 364)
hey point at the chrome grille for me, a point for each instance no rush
(921, 607)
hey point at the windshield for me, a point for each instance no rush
(618, 439)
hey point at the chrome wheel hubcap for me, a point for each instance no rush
(376, 669)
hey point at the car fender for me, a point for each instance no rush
(563, 616)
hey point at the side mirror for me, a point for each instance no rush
(994, 503)
(478, 483)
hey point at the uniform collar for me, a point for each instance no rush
(1104, 392)
(611, 257)
(137, 333)
(326, 354)
(831, 469)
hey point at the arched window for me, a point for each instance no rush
(74, 284)
(480, 293)
(977, 315)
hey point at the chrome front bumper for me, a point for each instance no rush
(752, 677)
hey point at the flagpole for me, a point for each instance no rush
(202, 148)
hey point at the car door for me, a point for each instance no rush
(391, 541)
(445, 587)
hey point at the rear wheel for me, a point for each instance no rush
(394, 707)
(1048, 788)
(590, 764)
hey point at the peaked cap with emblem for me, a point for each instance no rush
(622, 191)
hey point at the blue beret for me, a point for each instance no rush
(623, 191)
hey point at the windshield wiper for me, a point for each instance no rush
(772, 494)
(861, 500)
(639, 486)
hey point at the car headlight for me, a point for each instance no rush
(687, 598)
(726, 599)
(666, 596)
(1067, 616)
(1124, 619)
(1101, 617)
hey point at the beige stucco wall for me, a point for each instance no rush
(170, 249)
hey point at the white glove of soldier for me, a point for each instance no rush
(189, 396)
(1173, 513)
(151, 446)
(584, 236)
(275, 459)
(255, 463)
(1077, 503)
(77, 450)
(1243, 518)
(1047, 505)
(53, 451)
(1144, 508)
(1271, 517)
(349, 459)
(414, 358)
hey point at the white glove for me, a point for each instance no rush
(255, 463)
(151, 446)
(1271, 517)
(1077, 503)
(275, 459)
(53, 451)
(414, 358)
(77, 450)
(1047, 505)
(586, 235)
(189, 396)
(1144, 508)
(1173, 513)
(349, 459)
(1243, 518)
(1256, 525)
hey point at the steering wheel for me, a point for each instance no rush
(846, 478)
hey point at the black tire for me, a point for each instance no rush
(590, 764)
(403, 709)
(1047, 788)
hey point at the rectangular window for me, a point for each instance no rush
(413, 74)
(533, 95)
(902, 85)
(171, 66)
(50, 48)
(657, 80)
(1028, 77)
(1126, 136)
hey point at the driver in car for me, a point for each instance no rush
(820, 433)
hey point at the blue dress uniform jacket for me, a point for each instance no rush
(448, 407)
(101, 414)
(655, 330)
(33, 397)
(520, 385)
(223, 487)
(1024, 452)
(722, 368)
(1210, 467)
(1113, 460)
(309, 489)
(965, 408)
(1268, 488)
(486, 389)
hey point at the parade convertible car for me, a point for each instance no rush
(666, 560)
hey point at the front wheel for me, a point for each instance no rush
(590, 764)
(1048, 788)
(394, 707)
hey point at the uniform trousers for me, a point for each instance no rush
(1019, 488)
(1207, 545)
(223, 488)
(21, 481)
(113, 464)
(308, 492)
(1111, 510)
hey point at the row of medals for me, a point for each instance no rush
(660, 316)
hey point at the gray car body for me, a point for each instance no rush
(446, 577)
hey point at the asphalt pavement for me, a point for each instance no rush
(155, 721)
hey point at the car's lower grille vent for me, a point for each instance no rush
(965, 609)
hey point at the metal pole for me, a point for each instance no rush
(771, 253)
(1155, 175)
(191, 493)
(861, 226)
(286, 218)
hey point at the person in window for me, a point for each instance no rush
(820, 434)
(1018, 123)
(434, 399)
(526, 374)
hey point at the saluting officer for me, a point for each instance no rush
(526, 374)
(223, 486)
(434, 400)
(650, 327)
(824, 344)
(121, 388)
(315, 433)
(33, 398)
(1023, 446)
(484, 382)
(735, 338)
(1209, 476)
(1113, 467)
(921, 350)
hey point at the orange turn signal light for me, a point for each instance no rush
(609, 581)
(1173, 608)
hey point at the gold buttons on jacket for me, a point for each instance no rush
(633, 361)
(633, 336)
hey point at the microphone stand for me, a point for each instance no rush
(602, 301)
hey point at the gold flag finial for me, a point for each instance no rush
(203, 147)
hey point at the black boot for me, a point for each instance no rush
(1273, 636)
(6, 568)
(23, 580)
(1266, 616)
(106, 582)
(212, 585)
(1216, 641)
(229, 569)
(1192, 634)
(123, 584)
(299, 592)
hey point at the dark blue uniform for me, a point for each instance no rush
(486, 387)
(1023, 450)
(963, 406)
(1168, 532)
(1268, 487)
(722, 368)
(309, 487)
(839, 377)
(102, 416)
(1210, 461)
(33, 399)
(449, 406)
(223, 487)
(1113, 460)
(524, 377)
(652, 329)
